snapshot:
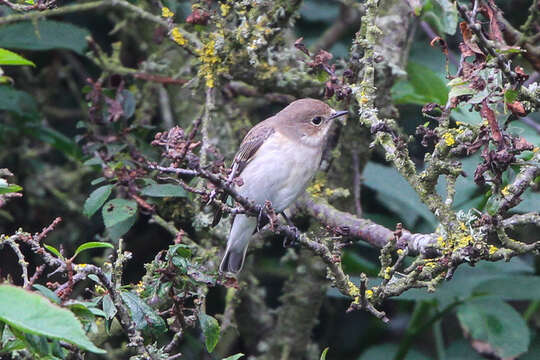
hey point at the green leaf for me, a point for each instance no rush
(44, 35)
(146, 319)
(467, 279)
(423, 86)
(92, 245)
(460, 90)
(18, 102)
(530, 202)
(388, 351)
(10, 58)
(164, 190)
(117, 231)
(96, 199)
(234, 357)
(9, 188)
(48, 293)
(396, 193)
(510, 95)
(108, 307)
(32, 313)
(323, 354)
(323, 11)
(356, 264)
(180, 249)
(462, 350)
(448, 15)
(210, 329)
(54, 138)
(117, 211)
(128, 103)
(497, 323)
(514, 287)
(54, 251)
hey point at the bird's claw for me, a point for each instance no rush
(289, 240)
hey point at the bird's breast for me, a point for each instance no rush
(279, 171)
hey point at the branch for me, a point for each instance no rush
(363, 229)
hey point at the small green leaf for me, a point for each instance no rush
(10, 58)
(118, 210)
(33, 314)
(181, 249)
(510, 96)
(128, 103)
(54, 251)
(92, 245)
(493, 204)
(97, 181)
(497, 323)
(396, 193)
(234, 357)
(323, 355)
(115, 232)
(9, 188)
(96, 199)
(448, 15)
(164, 190)
(146, 319)
(18, 102)
(56, 139)
(108, 307)
(513, 287)
(423, 86)
(44, 35)
(460, 89)
(48, 293)
(210, 329)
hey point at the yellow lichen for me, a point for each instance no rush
(210, 63)
(315, 189)
(463, 241)
(353, 289)
(178, 37)
(492, 249)
(369, 294)
(225, 8)
(462, 226)
(265, 71)
(399, 252)
(139, 287)
(441, 242)
(536, 149)
(449, 139)
(166, 13)
(505, 191)
(100, 290)
(387, 272)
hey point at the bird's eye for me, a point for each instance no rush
(317, 120)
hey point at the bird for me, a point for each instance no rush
(276, 161)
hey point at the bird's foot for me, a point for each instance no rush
(291, 236)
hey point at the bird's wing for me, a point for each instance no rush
(249, 146)
(251, 143)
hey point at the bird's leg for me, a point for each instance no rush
(260, 219)
(287, 241)
(229, 181)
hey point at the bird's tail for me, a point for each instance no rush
(237, 245)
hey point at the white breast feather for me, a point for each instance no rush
(279, 171)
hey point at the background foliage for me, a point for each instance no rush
(82, 96)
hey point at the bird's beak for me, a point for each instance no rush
(338, 114)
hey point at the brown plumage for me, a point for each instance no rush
(276, 160)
